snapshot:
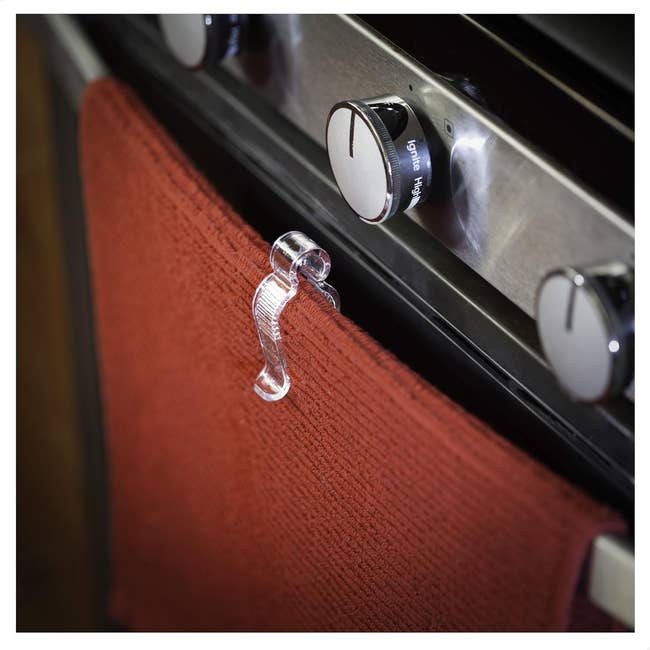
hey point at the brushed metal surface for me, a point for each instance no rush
(513, 215)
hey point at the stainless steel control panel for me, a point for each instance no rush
(439, 296)
(514, 216)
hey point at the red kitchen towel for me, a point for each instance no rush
(364, 500)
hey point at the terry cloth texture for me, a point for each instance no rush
(364, 500)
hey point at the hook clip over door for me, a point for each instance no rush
(293, 254)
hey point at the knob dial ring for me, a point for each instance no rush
(188, 37)
(380, 167)
(197, 40)
(598, 364)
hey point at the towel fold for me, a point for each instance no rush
(364, 500)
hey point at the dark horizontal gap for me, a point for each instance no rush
(530, 36)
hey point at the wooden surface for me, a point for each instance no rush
(55, 574)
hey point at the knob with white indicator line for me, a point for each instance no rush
(379, 156)
(585, 320)
(197, 40)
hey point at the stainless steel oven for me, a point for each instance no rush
(505, 273)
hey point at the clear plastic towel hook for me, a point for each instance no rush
(293, 254)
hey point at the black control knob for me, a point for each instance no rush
(585, 320)
(196, 40)
(379, 156)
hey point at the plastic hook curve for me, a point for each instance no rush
(293, 254)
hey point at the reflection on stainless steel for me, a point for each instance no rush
(519, 216)
(468, 175)
(287, 39)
